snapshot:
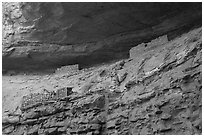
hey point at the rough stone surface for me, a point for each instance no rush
(50, 35)
(135, 51)
(165, 97)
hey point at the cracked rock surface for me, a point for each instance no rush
(157, 91)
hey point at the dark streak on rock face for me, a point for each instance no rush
(58, 34)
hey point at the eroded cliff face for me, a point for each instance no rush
(49, 35)
(158, 90)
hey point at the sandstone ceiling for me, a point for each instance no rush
(46, 35)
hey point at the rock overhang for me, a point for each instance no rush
(56, 34)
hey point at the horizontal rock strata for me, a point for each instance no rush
(50, 35)
(157, 92)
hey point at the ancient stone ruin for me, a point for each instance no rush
(162, 96)
(35, 99)
(135, 51)
(157, 90)
(69, 70)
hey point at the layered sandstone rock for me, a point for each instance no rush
(157, 92)
(50, 35)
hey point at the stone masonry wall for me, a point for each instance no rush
(163, 95)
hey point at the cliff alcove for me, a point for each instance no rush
(117, 68)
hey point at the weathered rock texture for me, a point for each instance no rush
(158, 91)
(49, 35)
